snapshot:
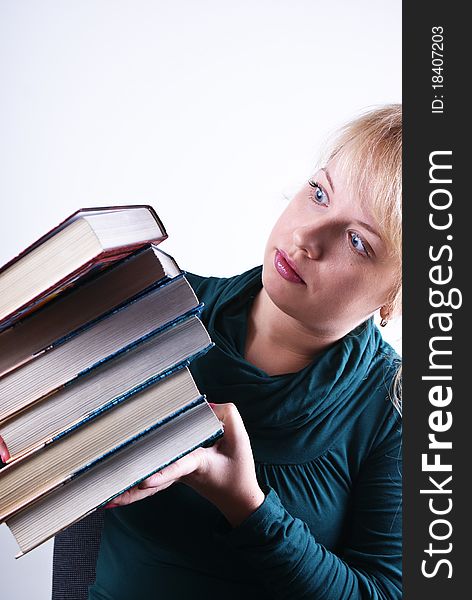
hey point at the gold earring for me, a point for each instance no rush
(385, 314)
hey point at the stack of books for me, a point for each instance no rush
(97, 329)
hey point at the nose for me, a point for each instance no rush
(309, 239)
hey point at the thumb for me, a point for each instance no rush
(234, 429)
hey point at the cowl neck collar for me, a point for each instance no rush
(280, 406)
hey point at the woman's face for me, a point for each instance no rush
(325, 263)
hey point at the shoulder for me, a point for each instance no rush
(379, 423)
(391, 364)
(382, 364)
(202, 284)
(208, 288)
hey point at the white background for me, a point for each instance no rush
(212, 111)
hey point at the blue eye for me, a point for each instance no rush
(318, 195)
(357, 243)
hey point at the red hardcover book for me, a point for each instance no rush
(89, 240)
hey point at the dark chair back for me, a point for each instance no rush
(74, 558)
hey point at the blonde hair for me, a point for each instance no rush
(368, 150)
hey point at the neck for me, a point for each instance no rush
(276, 342)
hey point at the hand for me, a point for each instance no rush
(224, 473)
(4, 454)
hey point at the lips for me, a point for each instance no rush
(286, 268)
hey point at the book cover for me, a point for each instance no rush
(108, 385)
(31, 297)
(85, 349)
(83, 303)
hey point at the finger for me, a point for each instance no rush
(180, 468)
(130, 496)
(159, 481)
(235, 430)
(226, 412)
(4, 454)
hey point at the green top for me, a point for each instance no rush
(326, 442)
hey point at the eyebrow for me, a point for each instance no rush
(369, 228)
(328, 177)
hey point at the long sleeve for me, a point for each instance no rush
(290, 562)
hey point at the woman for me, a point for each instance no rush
(301, 497)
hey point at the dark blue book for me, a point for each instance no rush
(83, 470)
(103, 340)
(89, 299)
(106, 386)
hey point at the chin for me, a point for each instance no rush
(282, 293)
